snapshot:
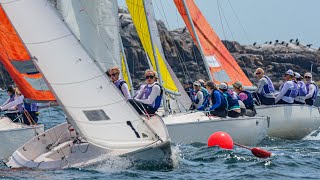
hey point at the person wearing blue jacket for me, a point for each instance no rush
(219, 103)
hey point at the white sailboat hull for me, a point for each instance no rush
(60, 148)
(291, 122)
(197, 127)
(13, 135)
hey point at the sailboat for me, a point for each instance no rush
(287, 121)
(185, 126)
(101, 124)
(17, 61)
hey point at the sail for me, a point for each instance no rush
(142, 11)
(223, 67)
(124, 72)
(96, 24)
(139, 18)
(92, 103)
(16, 60)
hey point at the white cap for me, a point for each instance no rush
(290, 72)
(297, 75)
(196, 83)
(308, 74)
(223, 86)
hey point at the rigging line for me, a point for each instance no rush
(218, 4)
(181, 60)
(245, 33)
(10, 2)
(228, 48)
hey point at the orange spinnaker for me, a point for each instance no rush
(12, 49)
(223, 67)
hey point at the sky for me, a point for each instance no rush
(249, 21)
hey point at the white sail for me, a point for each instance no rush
(183, 100)
(92, 103)
(96, 24)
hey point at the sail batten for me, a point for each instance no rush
(223, 67)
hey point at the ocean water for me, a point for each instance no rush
(291, 159)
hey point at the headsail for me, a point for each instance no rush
(96, 24)
(92, 103)
(142, 11)
(223, 67)
(139, 18)
(15, 58)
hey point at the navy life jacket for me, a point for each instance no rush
(249, 102)
(224, 103)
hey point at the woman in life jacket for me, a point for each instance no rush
(219, 103)
(233, 104)
(246, 97)
(302, 89)
(265, 91)
(148, 98)
(312, 89)
(114, 74)
(11, 94)
(288, 90)
(17, 108)
(199, 98)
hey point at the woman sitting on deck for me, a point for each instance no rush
(148, 98)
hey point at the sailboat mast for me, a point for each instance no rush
(197, 39)
(126, 64)
(156, 59)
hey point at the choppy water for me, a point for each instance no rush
(292, 159)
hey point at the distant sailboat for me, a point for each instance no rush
(245, 130)
(17, 61)
(103, 123)
(287, 121)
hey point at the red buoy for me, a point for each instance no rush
(221, 139)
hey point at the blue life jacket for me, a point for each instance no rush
(31, 107)
(302, 89)
(292, 92)
(232, 102)
(268, 88)
(249, 102)
(314, 96)
(224, 103)
(146, 93)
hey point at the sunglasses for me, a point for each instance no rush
(307, 77)
(114, 74)
(149, 77)
(258, 73)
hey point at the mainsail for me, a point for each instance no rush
(17, 61)
(223, 67)
(92, 103)
(142, 13)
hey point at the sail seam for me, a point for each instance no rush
(51, 40)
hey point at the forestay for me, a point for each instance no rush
(223, 67)
(96, 24)
(92, 103)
